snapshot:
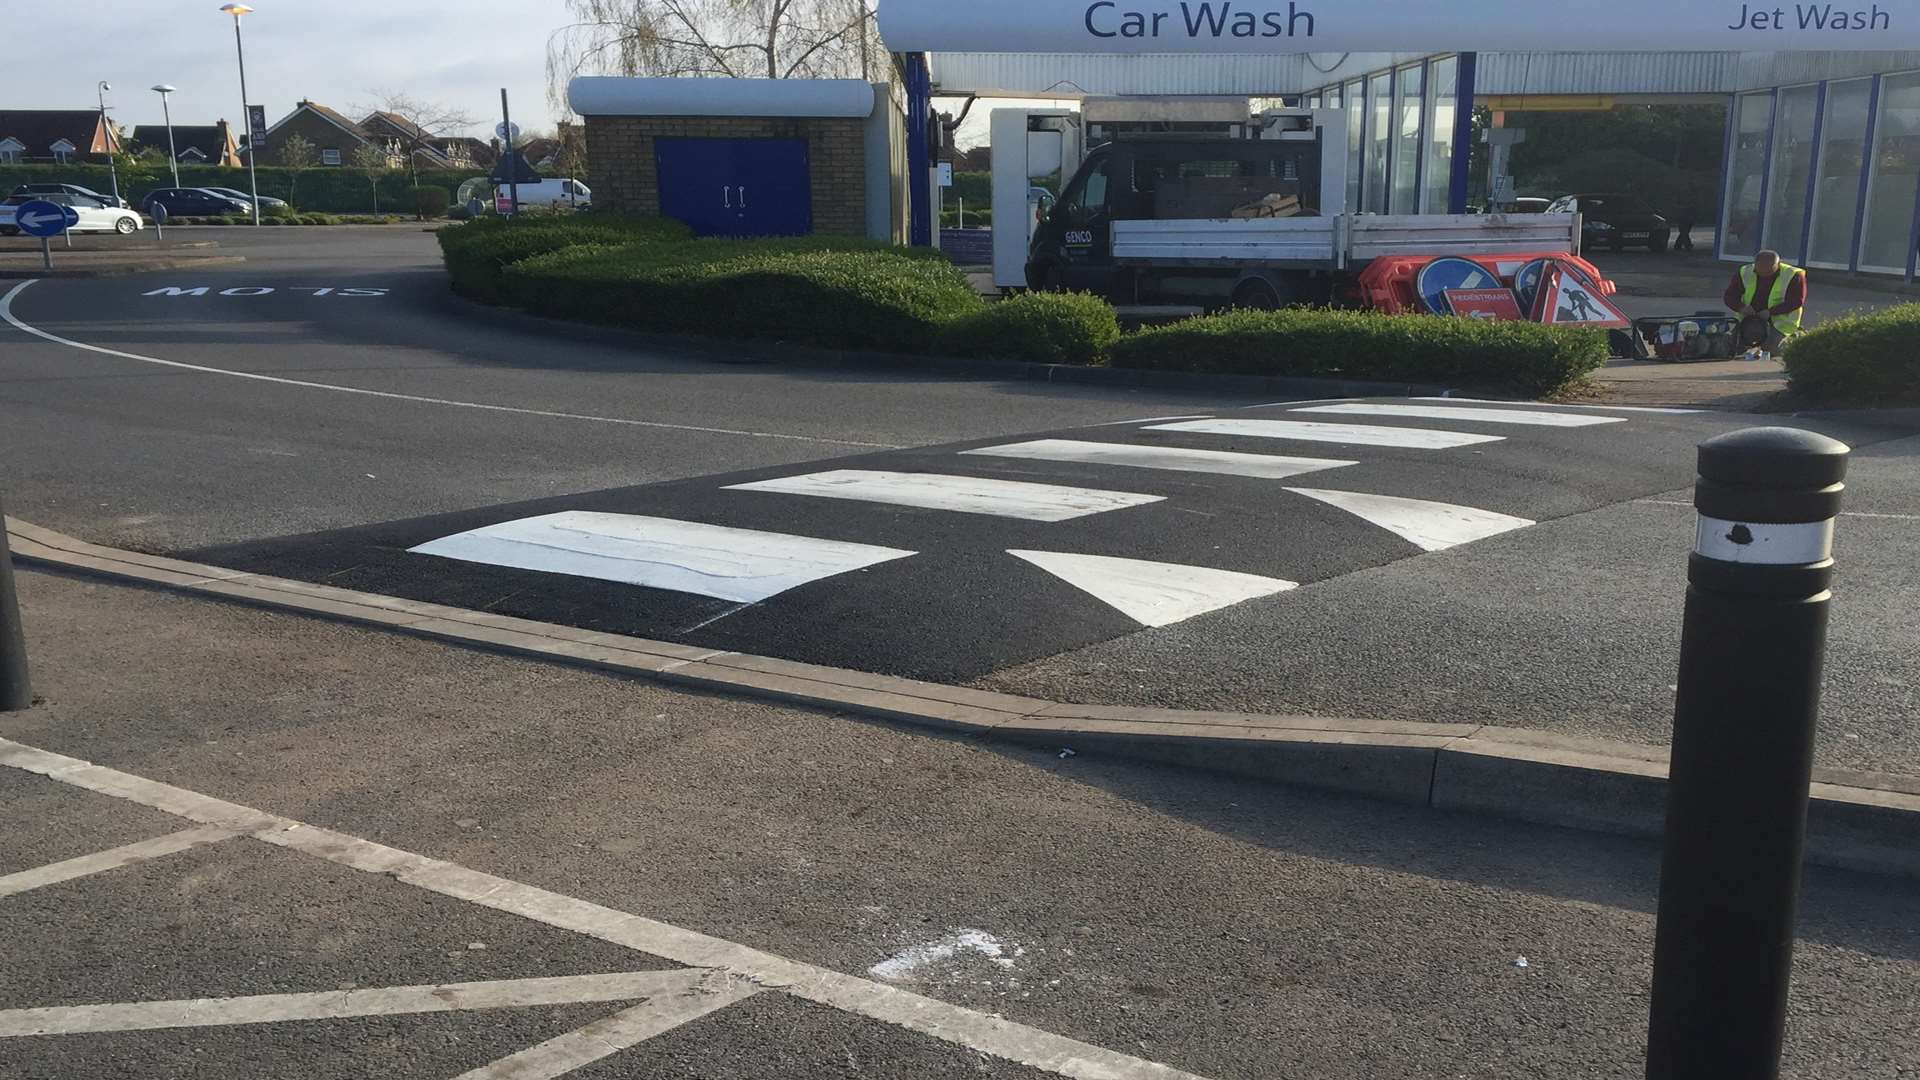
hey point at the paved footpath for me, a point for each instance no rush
(315, 850)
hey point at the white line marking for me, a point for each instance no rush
(1483, 416)
(1153, 593)
(952, 1023)
(1226, 462)
(742, 565)
(908, 962)
(1562, 405)
(610, 1035)
(966, 494)
(6, 312)
(1350, 434)
(338, 1004)
(1431, 526)
(102, 861)
(1155, 419)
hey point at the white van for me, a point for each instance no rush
(556, 192)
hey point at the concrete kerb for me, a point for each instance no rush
(1857, 821)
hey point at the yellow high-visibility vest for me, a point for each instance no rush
(1788, 324)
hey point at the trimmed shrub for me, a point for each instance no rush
(430, 202)
(1872, 358)
(803, 290)
(477, 251)
(1368, 345)
(1045, 328)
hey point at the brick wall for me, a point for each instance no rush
(624, 179)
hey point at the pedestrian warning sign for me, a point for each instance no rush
(1567, 297)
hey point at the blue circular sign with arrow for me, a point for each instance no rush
(42, 218)
(1451, 272)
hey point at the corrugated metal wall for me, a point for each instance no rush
(1606, 73)
(1074, 74)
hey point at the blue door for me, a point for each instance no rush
(736, 187)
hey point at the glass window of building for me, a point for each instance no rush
(1356, 143)
(1836, 192)
(1332, 98)
(1787, 174)
(1746, 172)
(1409, 112)
(1379, 138)
(1893, 171)
(1441, 103)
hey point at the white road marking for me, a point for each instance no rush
(952, 1023)
(966, 494)
(1484, 416)
(1226, 462)
(338, 1004)
(742, 565)
(1563, 405)
(1153, 593)
(607, 1036)
(102, 861)
(1350, 434)
(910, 961)
(1431, 526)
(1154, 419)
(6, 312)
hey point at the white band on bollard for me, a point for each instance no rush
(1769, 545)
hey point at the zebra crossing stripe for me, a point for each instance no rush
(1430, 526)
(1153, 593)
(966, 494)
(1174, 458)
(1564, 405)
(742, 565)
(1484, 416)
(1349, 434)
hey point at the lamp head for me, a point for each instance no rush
(235, 10)
(163, 88)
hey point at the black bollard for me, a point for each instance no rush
(1742, 763)
(15, 692)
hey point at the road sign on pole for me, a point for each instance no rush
(45, 220)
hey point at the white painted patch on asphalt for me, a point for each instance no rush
(1154, 593)
(1563, 405)
(965, 494)
(863, 997)
(6, 313)
(1349, 434)
(609, 1035)
(911, 962)
(1432, 526)
(1174, 458)
(1483, 416)
(742, 565)
(102, 861)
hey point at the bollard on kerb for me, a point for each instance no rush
(15, 692)
(1742, 760)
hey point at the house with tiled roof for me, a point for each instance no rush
(55, 136)
(334, 137)
(193, 144)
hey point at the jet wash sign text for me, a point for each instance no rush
(1336, 26)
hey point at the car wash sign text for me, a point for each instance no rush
(1419, 26)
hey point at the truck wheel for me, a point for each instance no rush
(1257, 294)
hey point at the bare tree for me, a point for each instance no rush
(376, 160)
(774, 39)
(296, 156)
(414, 124)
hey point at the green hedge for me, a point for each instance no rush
(1371, 346)
(477, 251)
(330, 189)
(1045, 328)
(1872, 358)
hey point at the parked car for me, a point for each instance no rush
(267, 202)
(1530, 206)
(69, 189)
(194, 202)
(95, 215)
(1616, 221)
(552, 192)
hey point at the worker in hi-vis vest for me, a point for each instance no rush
(1772, 290)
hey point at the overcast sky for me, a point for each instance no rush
(336, 52)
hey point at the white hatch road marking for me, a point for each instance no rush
(889, 1004)
(966, 494)
(6, 312)
(1431, 526)
(602, 1038)
(1350, 434)
(1225, 462)
(1561, 405)
(1153, 593)
(742, 565)
(1484, 416)
(102, 861)
(340, 1004)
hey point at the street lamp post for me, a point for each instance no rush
(173, 157)
(246, 114)
(113, 169)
